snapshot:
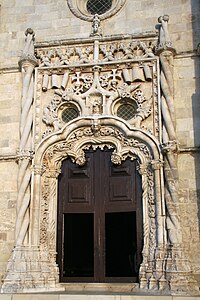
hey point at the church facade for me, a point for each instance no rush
(100, 144)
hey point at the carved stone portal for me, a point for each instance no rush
(96, 94)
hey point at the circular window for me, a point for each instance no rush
(98, 6)
(69, 114)
(86, 9)
(126, 111)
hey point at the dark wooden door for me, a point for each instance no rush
(99, 236)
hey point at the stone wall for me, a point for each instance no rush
(10, 91)
(52, 20)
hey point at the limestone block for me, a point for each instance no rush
(5, 297)
(185, 298)
(16, 17)
(138, 297)
(35, 297)
(89, 297)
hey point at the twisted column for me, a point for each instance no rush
(27, 64)
(143, 171)
(166, 53)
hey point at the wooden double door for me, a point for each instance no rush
(99, 235)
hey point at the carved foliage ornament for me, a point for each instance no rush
(52, 115)
(85, 137)
(73, 55)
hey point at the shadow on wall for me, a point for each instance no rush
(195, 23)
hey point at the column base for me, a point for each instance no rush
(28, 271)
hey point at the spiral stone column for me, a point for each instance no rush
(177, 265)
(143, 170)
(27, 64)
(18, 271)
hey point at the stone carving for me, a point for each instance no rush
(28, 51)
(174, 234)
(169, 135)
(61, 56)
(96, 29)
(81, 83)
(50, 116)
(94, 76)
(45, 211)
(96, 102)
(125, 90)
(111, 80)
(108, 51)
(119, 51)
(136, 49)
(124, 146)
(164, 41)
(27, 64)
(83, 89)
(69, 147)
(144, 109)
(83, 54)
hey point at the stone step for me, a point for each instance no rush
(93, 296)
(101, 287)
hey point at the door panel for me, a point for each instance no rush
(78, 192)
(76, 187)
(122, 187)
(99, 220)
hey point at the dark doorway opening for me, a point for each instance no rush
(99, 230)
(78, 245)
(121, 244)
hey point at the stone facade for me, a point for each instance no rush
(94, 64)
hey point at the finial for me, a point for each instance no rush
(164, 42)
(30, 31)
(28, 51)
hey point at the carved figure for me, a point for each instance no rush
(96, 30)
(29, 46)
(108, 52)
(97, 106)
(83, 54)
(164, 33)
(164, 37)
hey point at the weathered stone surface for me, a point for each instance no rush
(55, 22)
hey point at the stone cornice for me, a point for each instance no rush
(67, 42)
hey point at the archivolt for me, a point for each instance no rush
(78, 135)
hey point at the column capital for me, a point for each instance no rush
(24, 154)
(38, 169)
(157, 164)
